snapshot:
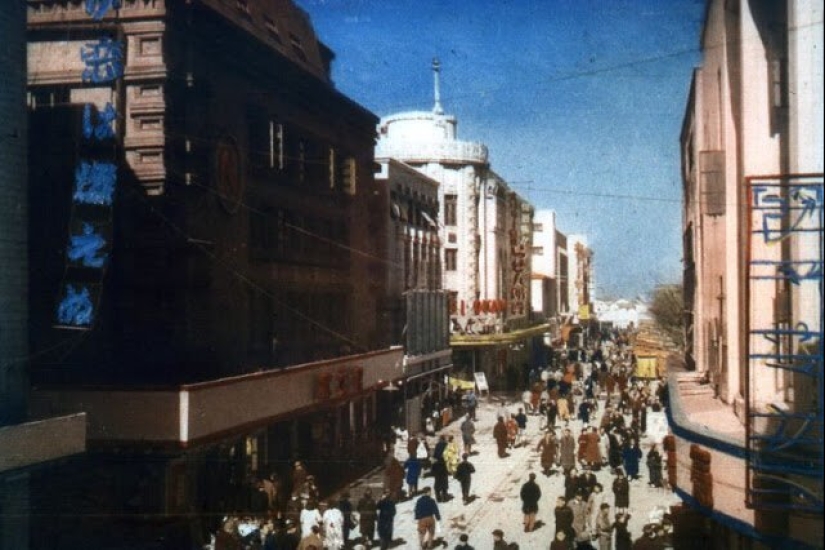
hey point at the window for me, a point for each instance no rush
(450, 259)
(297, 47)
(538, 228)
(450, 209)
(332, 168)
(538, 251)
(350, 178)
(272, 30)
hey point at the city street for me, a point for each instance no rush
(496, 485)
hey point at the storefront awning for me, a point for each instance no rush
(503, 339)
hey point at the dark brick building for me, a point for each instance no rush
(235, 311)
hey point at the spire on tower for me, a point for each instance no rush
(437, 109)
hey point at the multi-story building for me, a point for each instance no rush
(416, 313)
(580, 282)
(207, 245)
(544, 284)
(28, 444)
(746, 455)
(486, 237)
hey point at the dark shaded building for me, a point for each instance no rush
(219, 316)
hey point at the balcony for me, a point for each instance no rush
(36, 442)
(181, 416)
(446, 152)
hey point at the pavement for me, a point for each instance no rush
(497, 482)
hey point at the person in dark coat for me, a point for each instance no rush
(464, 475)
(631, 455)
(621, 492)
(345, 506)
(394, 478)
(501, 437)
(549, 449)
(530, 495)
(438, 451)
(623, 540)
(386, 520)
(441, 480)
(615, 452)
(654, 467)
(552, 411)
(464, 543)
(367, 512)
(413, 468)
(564, 519)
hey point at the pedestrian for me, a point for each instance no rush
(564, 519)
(310, 517)
(298, 478)
(472, 403)
(551, 412)
(530, 495)
(440, 447)
(579, 507)
(621, 492)
(500, 435)
(603, 527)
(563, 409)
(441, 480)
(468, 430)
(367, 512)
(394, 478)
(654, 466)
(227, 537)
(498, 541)
(521, 422)
(386, 520)
(584, 411)
(345, 506)
(333, 523)
(512, 431)
(631, 455)
(648, 540)
(452, 457)
(548, 447)
(592, 453)
(567, 451)
(426, 514)
(582, 446)
(594, 505)
(412, 466)
(288, 538)
(464, 543)
(623, 541)
(560, 542)
(312, 540)
(571, 484)
(464, 475)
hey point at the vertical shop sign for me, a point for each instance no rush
(95, 180)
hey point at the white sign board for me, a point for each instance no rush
(481, 382)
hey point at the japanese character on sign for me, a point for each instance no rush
(95, 183)
(103, 129)
(87, 248)
(97, 9)
(103, 60)
(76, 307)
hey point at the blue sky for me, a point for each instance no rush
(579, 101)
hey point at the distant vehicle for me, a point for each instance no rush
(647, 366)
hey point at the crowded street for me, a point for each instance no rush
(580, 471)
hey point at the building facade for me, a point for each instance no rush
(216, 306)
(417, 315)
(747, 423)
(544, 284)
(485, 230)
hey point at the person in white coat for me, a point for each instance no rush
(310, 517)
(333, 520)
